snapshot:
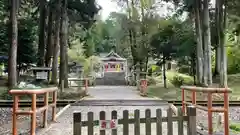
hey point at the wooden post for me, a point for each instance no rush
(180, 122)
(33, 119)
(137, 122)
(14, 115)
(210, 123)
(102, 116)
(114, 116)
(45, 112)
(169, 121)
(148, 122)
(90, 123)
(54, 109)
(159, 121)
(192, 123)
(77, 123)
(226, 119)
(183, 104)
(125, 122)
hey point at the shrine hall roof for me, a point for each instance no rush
(112, 55)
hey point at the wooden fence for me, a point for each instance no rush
(190, 118)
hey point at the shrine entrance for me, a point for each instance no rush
(114, 70)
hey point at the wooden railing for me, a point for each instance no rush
(209, 107)
(78, 123)
(33, 93)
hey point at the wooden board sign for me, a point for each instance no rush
(42, 75)
(108, 124)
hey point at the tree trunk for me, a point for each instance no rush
(63, 45)
(199, 50)
(130, 31)
(144, 49)
(217, 61)
(217, 48)
(56, 44)
(164, 73)
(49, 52)
(207, 45)
(42, 25)
(12, 61)
(222, 21)
(66, 55)
(138, 70)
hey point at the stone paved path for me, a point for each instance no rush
(65, 121)
(114, 92)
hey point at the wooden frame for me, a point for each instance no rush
(209, 108)
(125, 121)
(33, 110)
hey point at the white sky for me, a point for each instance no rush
(108, 6)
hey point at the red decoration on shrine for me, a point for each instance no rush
(106, 67)
(103, 124)
(113, 124)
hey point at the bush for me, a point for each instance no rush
(151, 80)
(179, 79)
(184, 69)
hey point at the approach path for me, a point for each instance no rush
(64, 123)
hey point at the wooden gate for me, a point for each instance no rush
(113, 124)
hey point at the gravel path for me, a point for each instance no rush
(66, 121)
(106, 92)
(202, 120)
(23, 122)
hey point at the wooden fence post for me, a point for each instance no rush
(114, 116)
(192, 123)
(102, 116)
(125, 122)
(137, 122)
(90, 123)
(77, 123)
(148, 121)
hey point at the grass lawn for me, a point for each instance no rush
(170, 93)
(174, 93)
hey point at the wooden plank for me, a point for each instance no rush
(90, 123)
(125, 122)
(148, 121)
(102, 117)
(180, 122)
(77, 126)
(192, 123)
(114, 116)
(137, 122)
(159, 122)
(143, 120)
(169, 122)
